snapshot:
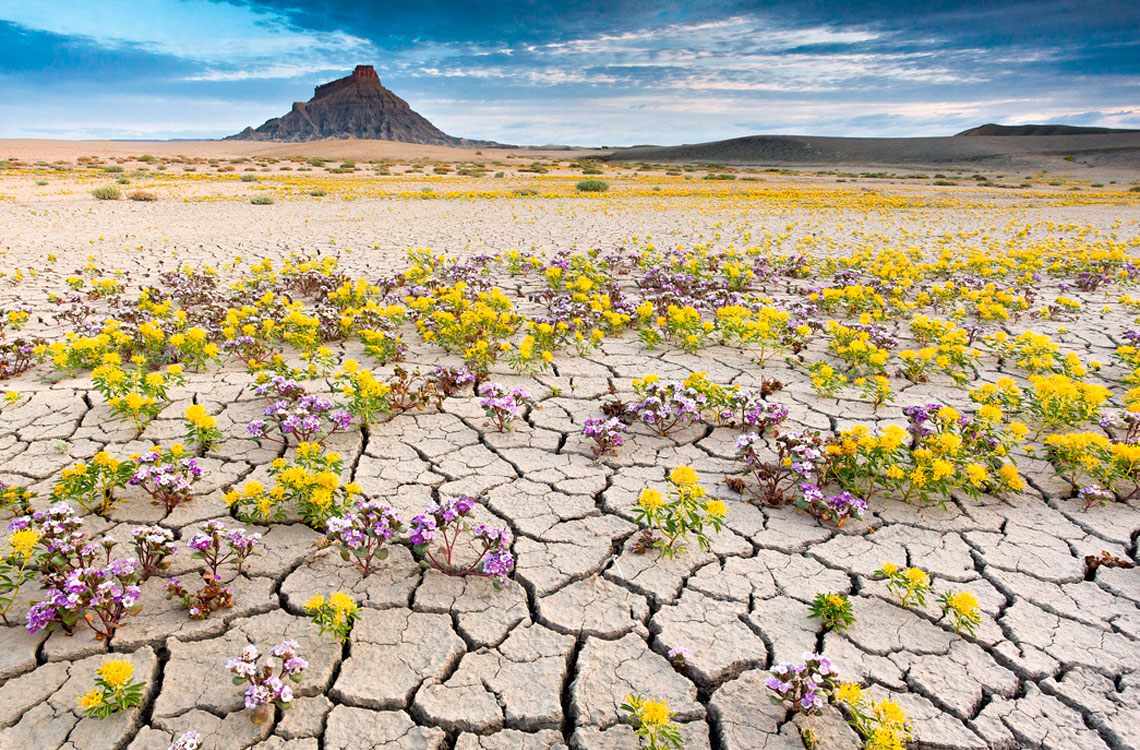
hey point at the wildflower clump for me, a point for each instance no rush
(501, 406)
(138, 394)
(91, 485)
(909, 585)
(310, 482)
(606, 434)
(803, 688)
(882, 724)
(217, 545)
(961, 607)
(653, 722)
(362, 534)
(201, 427)
(334, 614)
(266, 686)
(682, 512)
(17, 566)
(833, 610)
(168, 476)
(436, 531)
(115, 690)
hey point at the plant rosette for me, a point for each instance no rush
(436, 532)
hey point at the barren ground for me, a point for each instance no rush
(441, 662)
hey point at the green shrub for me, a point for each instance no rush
(142, 195)
(41, 183)
(248, 178)
(591, 170)
(107, 193)
(524, 191)
(113, 169)
(318, 192)
(592, 186)
(261, 200)
(123, 181)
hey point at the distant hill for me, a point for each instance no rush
(993, 129)
(356, 106)
(1116, 149)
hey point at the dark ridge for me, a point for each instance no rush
(994, 129)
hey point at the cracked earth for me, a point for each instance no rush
(545, 662)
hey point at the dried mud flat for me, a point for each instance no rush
(438, 662)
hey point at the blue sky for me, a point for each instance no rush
(587, 72)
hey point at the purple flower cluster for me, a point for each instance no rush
(803, 688)
(498, 561)
(208, 545)
(187, 741)
(425, 525)
(443, 524)
(362, 533)
(1094, 494)
(794, 461)
(502, 406)
(451, 379)
(668, 405)
(153, 544)
(303, 418)
(266, 685)
(838, 508)
(606, 433)
(922, 423)
(101, 597)
(1124, 428)
(166, 478)
(763, 415)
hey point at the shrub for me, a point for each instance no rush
(261, 200)
(318, 192)
(142, 195)
(248, 178)
(107, 193)
(592, 186)
(113, 169)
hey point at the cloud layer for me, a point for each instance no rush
(620, 72)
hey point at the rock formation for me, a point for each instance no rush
(356, 106)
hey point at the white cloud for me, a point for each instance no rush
(230, 42)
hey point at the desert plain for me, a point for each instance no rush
(584, 619)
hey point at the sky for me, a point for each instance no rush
(581, 72)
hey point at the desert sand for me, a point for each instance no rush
(584, 620)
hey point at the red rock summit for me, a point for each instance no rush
(356, 106)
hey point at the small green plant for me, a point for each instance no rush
(909, 585)
(962, 609)
(654, 728)
(107, 193)
(592, 186)
(335, 614)
(318, 192)
(683, 512)
(261, 200)
(17, 567)
(115, 690)
(248, 178)
(833, 610)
